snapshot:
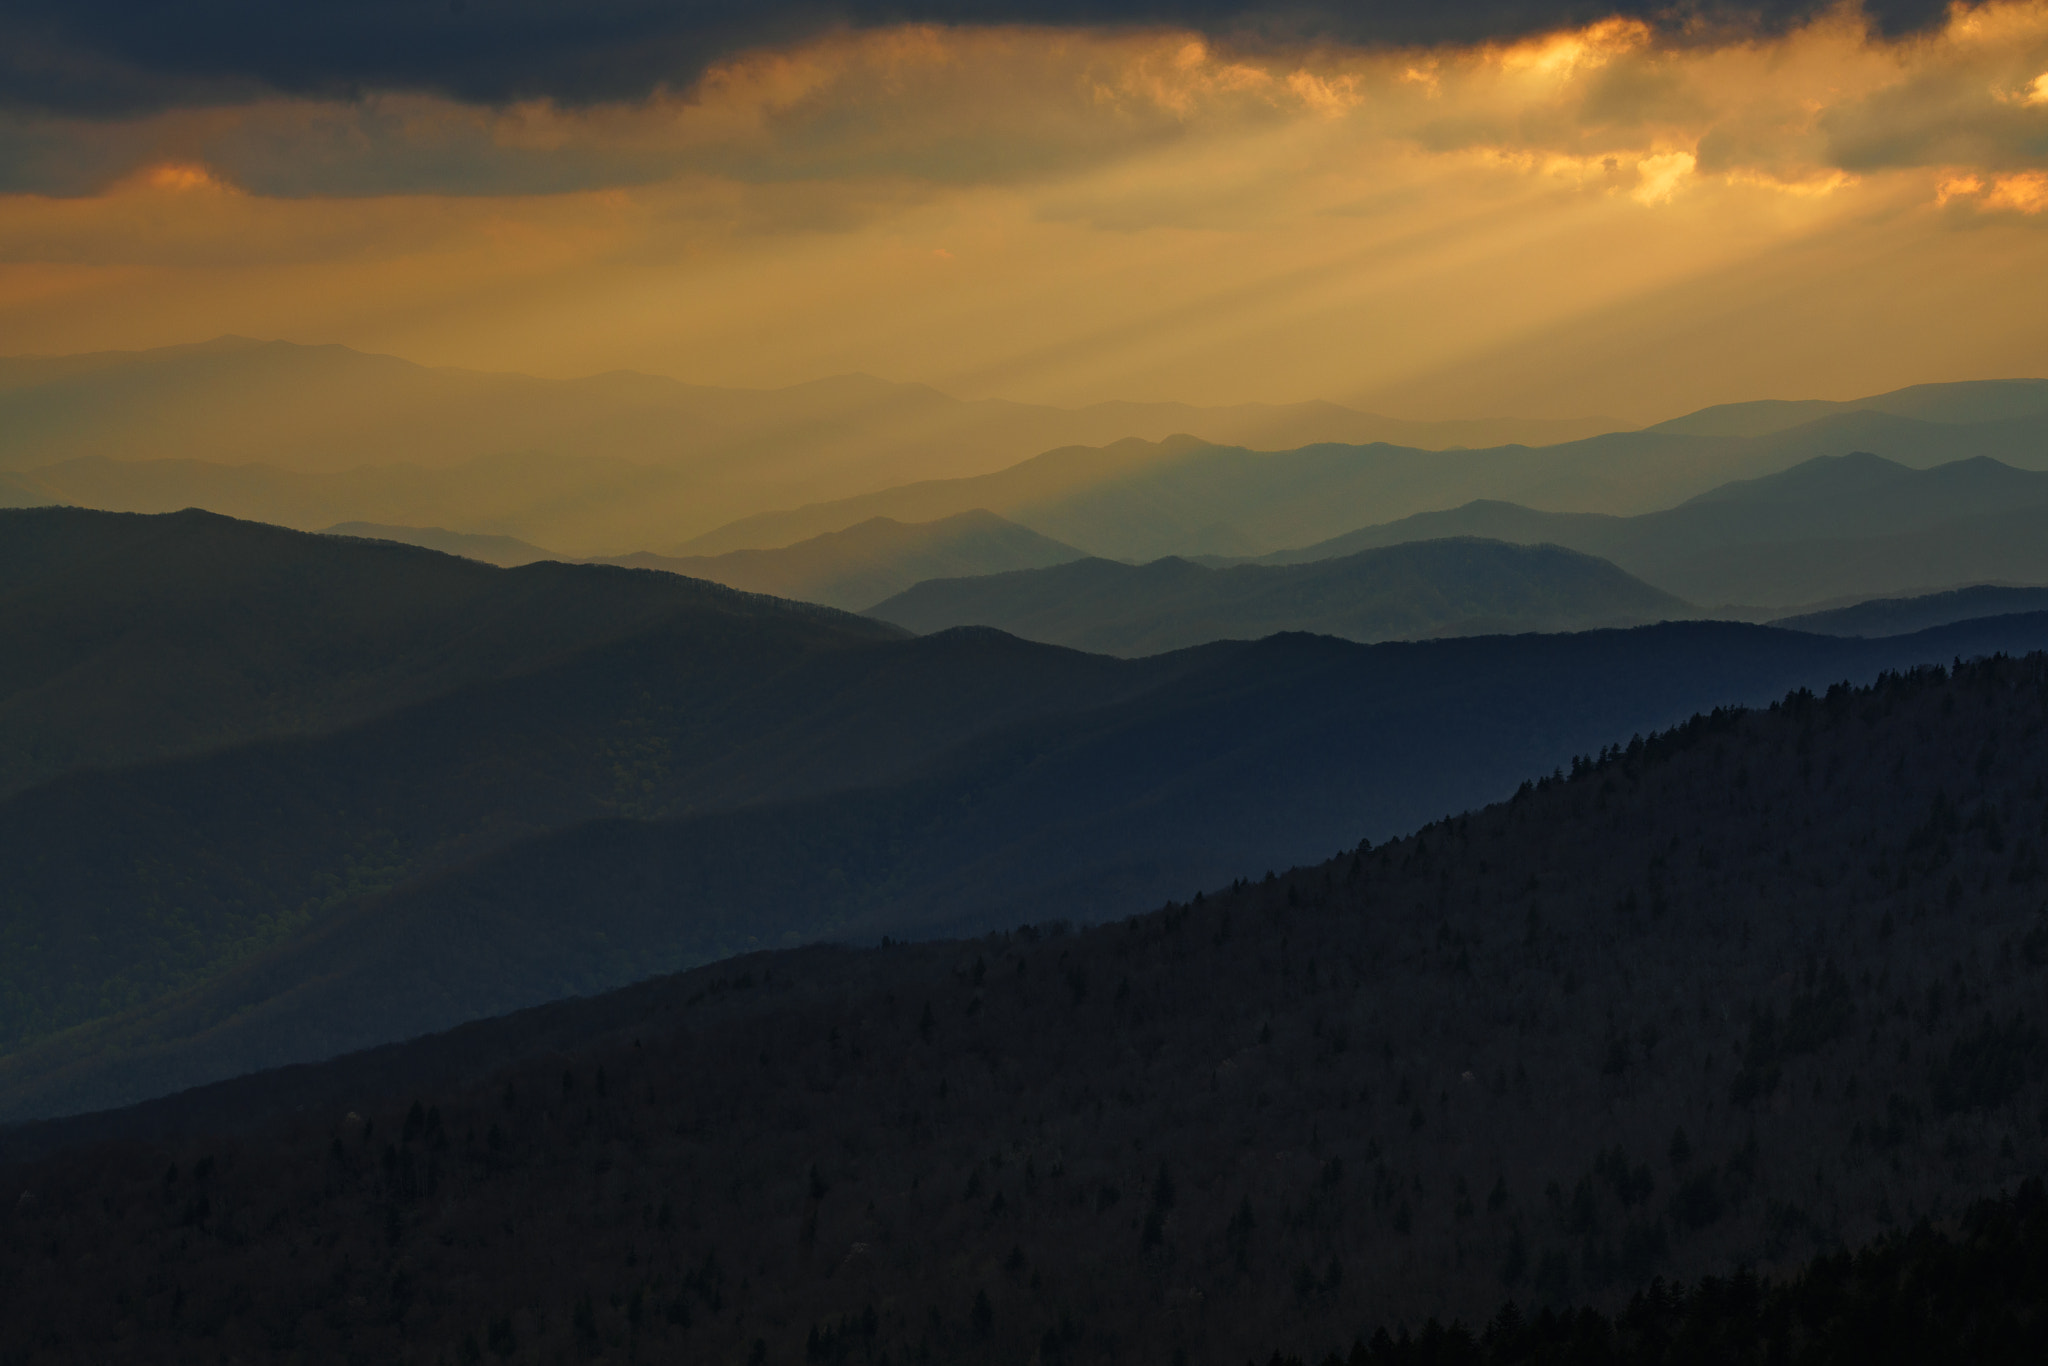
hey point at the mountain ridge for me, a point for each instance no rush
(1136, 501)
(869, 561)
(1830, 527)
(1422, 589)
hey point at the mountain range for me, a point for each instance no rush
(1459, 586)
(311, 435)
(1830, 528)
(1138, 500)
(137, 638)
(1727, 998)
(872, 560)
(616, 464)
(730, 771)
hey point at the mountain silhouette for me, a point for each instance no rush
(308, 436)
(1427, 588)
(1968, 401)
(507, 552)
(1830, 528)
(134, 638)
(1141, 501)
(1898, 616)
(872, 560)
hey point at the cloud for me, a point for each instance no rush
(944, 106)
(127, 57)
(1083, 213)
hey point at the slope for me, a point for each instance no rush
(872, 560)
(1755, 987)
(1427, 588)
(1248, 758)
(1828, 528)
(134, 638)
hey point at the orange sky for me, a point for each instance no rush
(1589, 222)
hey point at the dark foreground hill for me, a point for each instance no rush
(326, 884)
(1832, 528)
(860, 566)
(1764, 985)
(1456, 587)
(130, 638)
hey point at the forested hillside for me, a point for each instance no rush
(1762, 985)
(133, 638)
(680, 797)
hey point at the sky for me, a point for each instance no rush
(1529, 207)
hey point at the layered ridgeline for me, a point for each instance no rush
(680, 797)
(132, 638)
(1461, 586)
(851, 569)
(877, 559)
(1139, 500)
(1763, 985)
(308, 436)
(313, 436)
(1831, 528)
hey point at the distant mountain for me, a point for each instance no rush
(1429, 588)
(1137, 501)
(507, 552)
(1898, 616)
(872, 560)
(708, 455)
(133, 638)
(312, 436)
(1827, 529)
(1644, 1040)
(736, 820)
(590, 503)
(17, 493)
(1965, 402)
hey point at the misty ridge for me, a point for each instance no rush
(311, 437)
(308, 436)
(462, 906)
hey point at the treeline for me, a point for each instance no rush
(1977, 1293)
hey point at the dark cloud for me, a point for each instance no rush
(118, 57)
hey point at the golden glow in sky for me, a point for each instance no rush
(1591, 221)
